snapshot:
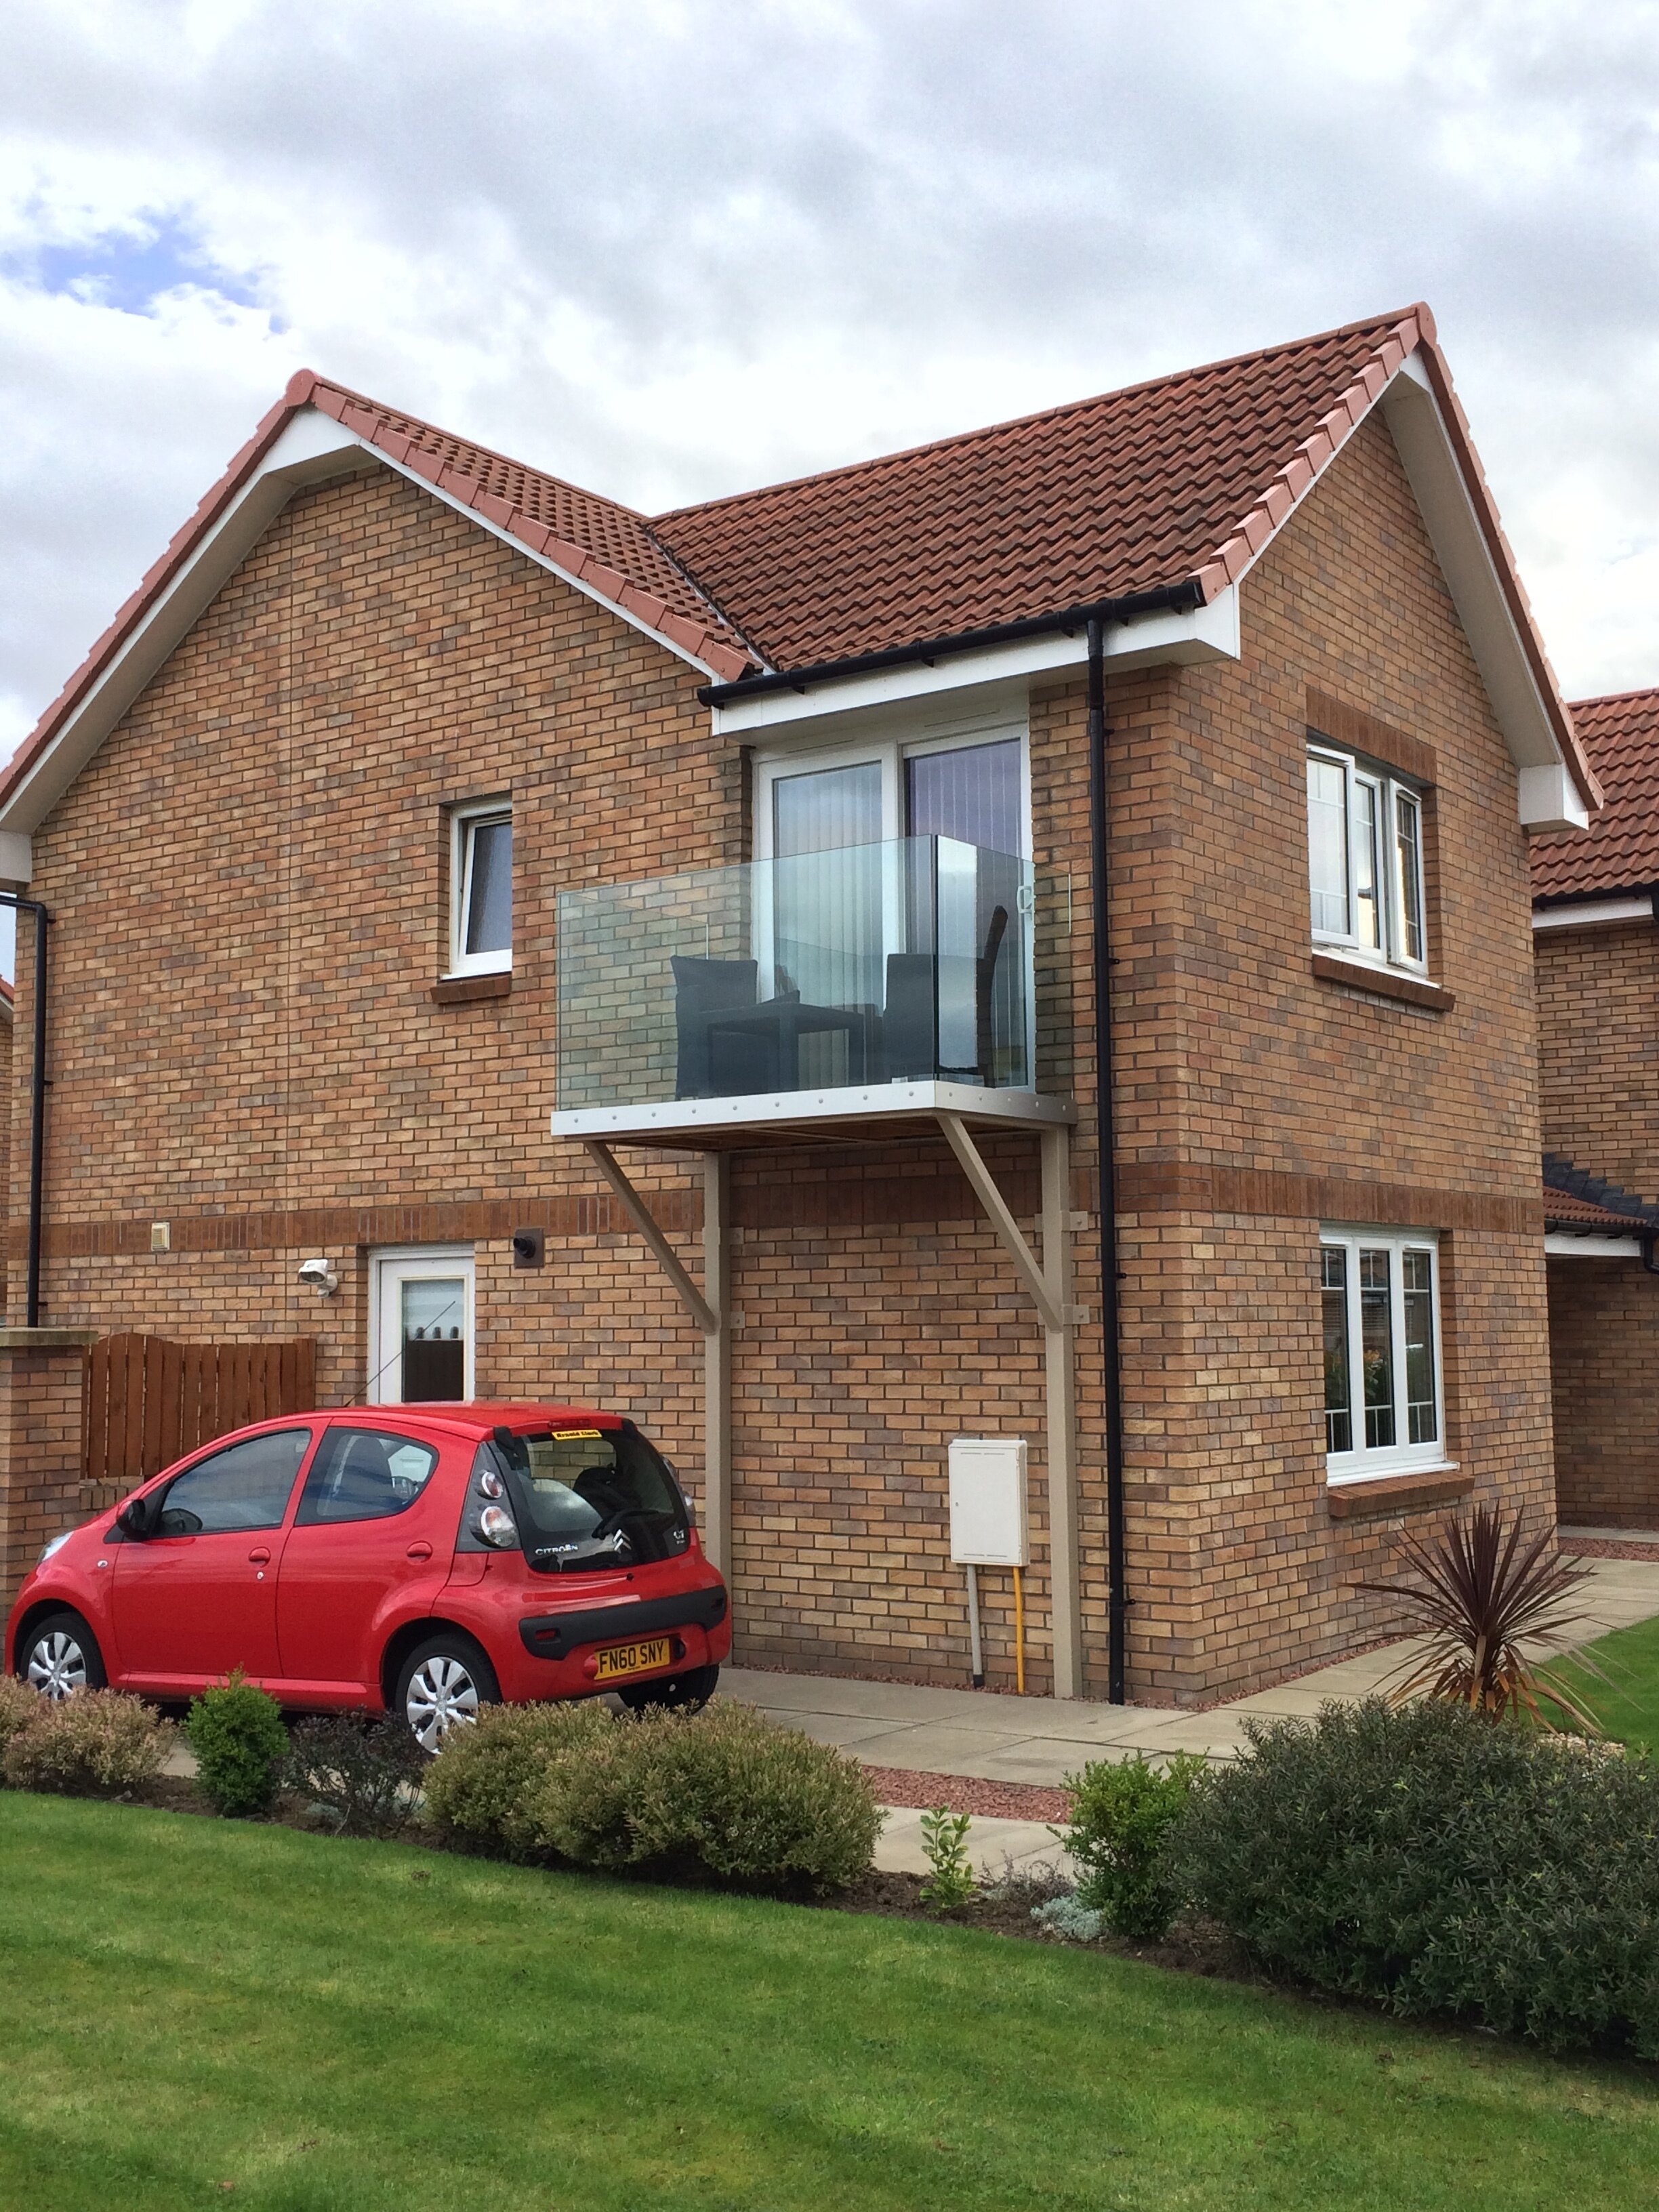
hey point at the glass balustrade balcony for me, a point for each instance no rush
(875, 966)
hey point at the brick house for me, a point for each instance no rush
(1598, 984)
(418, 796)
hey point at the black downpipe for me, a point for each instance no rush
(1106, 1149)
(37, 1104)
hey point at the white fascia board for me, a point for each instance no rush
(1592, 913)
(1206, 633)
(540, 561)
(1563, 1244)
(311, 449)
(1549, 799)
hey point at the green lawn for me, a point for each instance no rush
(1627, 1702)
(320, 2024)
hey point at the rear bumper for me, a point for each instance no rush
(558, 1635)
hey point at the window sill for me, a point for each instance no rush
(1354, 1496)
(462, 990)
(1383, 982)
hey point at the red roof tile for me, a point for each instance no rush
(1180, 481)
(1562, 1210)
(1619, 851)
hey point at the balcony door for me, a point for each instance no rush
(826, 929)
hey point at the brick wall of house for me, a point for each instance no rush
(1598, 990)
(249, 884)
(1598, 1081)
(1604, 1345)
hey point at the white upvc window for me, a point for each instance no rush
(1365, 861)
(481, 888)
(1380, 1289)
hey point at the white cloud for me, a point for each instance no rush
(679, 248)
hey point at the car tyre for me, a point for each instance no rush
(680, 1693)
(61, 1655)
(444, 1683)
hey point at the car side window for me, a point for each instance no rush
(247, 1486)
(364, 1475)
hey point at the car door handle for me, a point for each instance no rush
(259, 1556)
(419, 1551)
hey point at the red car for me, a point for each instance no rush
(424, 1560)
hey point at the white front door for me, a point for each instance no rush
(421, 1325)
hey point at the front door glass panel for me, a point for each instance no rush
(433, 1321)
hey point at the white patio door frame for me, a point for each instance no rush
(389, 1270)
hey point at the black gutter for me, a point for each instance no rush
(1647, 890)
(1106, 1153)
(37, 1104)
(1166, 598)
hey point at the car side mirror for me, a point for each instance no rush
(134, 1520)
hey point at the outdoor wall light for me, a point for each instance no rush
(317, 1275)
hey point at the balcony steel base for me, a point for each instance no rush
(872, 1113)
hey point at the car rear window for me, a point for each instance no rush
(587, 1497)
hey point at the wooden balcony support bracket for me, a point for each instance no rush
(1050, 1283)
(709, 1308)
(640, 1215)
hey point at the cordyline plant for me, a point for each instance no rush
(1484, 1602)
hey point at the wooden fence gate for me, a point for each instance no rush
(149, 1400)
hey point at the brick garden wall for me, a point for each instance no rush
(250, 883)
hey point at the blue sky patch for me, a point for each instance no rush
(129, 270)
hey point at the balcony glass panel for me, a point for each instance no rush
(899, 963)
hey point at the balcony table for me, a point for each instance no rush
(780, 1023)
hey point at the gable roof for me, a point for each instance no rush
(1176, 486)
(1620, 852)
(1176, 480)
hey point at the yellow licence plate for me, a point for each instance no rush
(633, 1658)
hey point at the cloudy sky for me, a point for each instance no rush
(674, 248)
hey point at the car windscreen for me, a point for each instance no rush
(587, 1497)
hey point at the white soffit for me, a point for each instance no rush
(1549, 799)
(1592, 914)
(1207, 633)
(1564, 1244)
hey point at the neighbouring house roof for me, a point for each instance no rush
(1576, 1199)
(1620, 852)
(1179, 483)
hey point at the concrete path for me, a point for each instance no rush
(1041, 1739)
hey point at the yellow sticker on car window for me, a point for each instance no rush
(569, 1436)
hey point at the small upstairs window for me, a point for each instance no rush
(481, 876)
(1365, 861)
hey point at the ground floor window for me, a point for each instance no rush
(1381, 1327)
(420, 1347)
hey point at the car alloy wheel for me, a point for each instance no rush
(442, 1695)
(55, 1666)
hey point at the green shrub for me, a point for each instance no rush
(1426, 1857)
(482, 1783)
(949, 1875)
(98, 1743)
(237, 1735)
(724, 1793)
(19, 1706)
(362, 1772)
(1122, 1817)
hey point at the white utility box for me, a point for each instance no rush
(987, 1502)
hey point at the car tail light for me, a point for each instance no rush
(497, 1527)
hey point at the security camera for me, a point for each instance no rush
(317, 1275)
